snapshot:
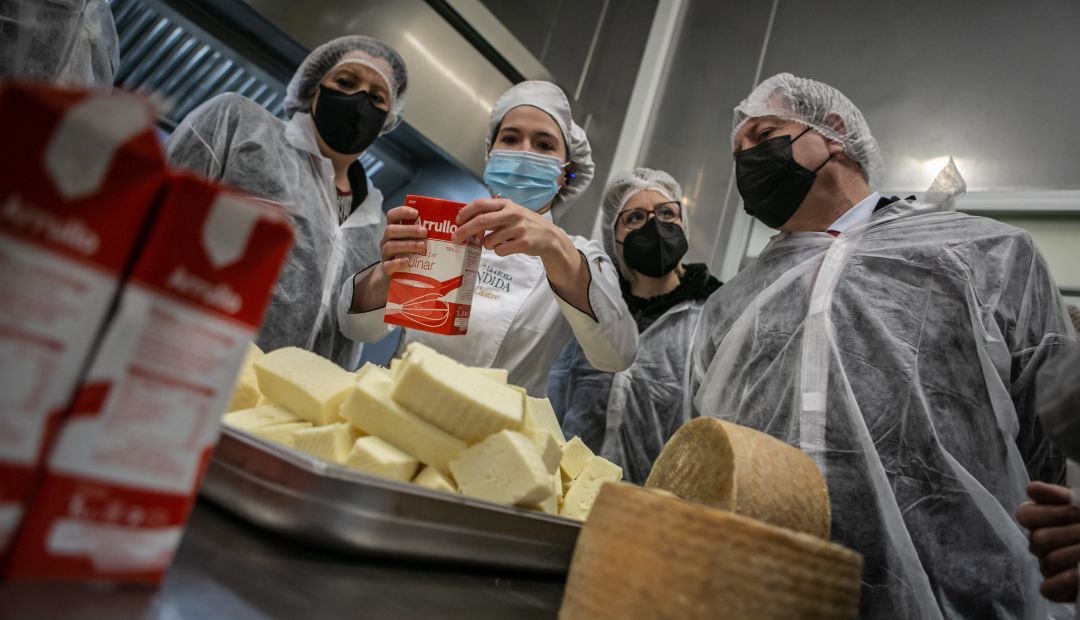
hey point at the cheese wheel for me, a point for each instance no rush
(724, 465)
(645, 554)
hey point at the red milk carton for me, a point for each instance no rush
(81, 175)
(124, 470)
(434, 293)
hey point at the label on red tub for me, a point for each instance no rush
(434, 293)
(127, 462)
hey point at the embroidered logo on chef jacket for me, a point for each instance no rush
(492, 282)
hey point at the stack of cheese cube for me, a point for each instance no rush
(426, 419)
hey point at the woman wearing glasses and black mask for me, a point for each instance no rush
(627, 416)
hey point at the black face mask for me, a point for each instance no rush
(655, 249)
(347, 123)
(772, 184)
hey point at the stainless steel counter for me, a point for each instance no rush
(226, 570)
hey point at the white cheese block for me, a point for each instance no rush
(539, 414)
(582, 493)
(433, 479)
(267, 415)
(547, 447)
(281, 433)
(644, 553)
(246, 393)
(369, 367)
(549, 506)
(455, 398)
(371, 410)
(500, 375)
(575, 454)
(374, 456)
(330, 443)
(504, 468)
(736, 468)
(310, 386)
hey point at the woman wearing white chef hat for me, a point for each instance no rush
(537, 285)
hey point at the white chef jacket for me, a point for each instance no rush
(518, 322)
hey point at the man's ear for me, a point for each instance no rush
(835, 122)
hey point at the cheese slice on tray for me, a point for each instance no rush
(258, 417)
(504, 468)
(310, 386)
(246, 393)
(455, 398)
(374, 456)
(371, 410)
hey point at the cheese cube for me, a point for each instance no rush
(549, 506)
(539, 414)
(369, 367)
(560, 490)
(371, 410)
(280, 433)
(582, 494)
(374, 456)
(310, 386)
(575, 455)
(455, 398)
(547, 447)
(504, 468)
(500, 375)
(330, 443)
(552, 504)
(258, 417)
(431, 478)
(246, 393)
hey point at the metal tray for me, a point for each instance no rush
(302, 497)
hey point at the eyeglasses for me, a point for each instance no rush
(667, 212)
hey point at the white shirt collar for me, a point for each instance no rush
(300, 133)
(856, 215)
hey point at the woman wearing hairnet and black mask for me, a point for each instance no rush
(628, 416)
(345, 94)
(537, 286)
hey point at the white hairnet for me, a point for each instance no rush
(69, 42)
(623, 187)
(809, 102)
(355, 48)
(551, 99)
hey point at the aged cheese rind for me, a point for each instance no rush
(645, 554)
(736, 468)
(310, 386)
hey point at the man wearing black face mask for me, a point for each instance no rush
(344, 95)
(895, 342)
(628, 416)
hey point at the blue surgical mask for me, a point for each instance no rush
(529, 179)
